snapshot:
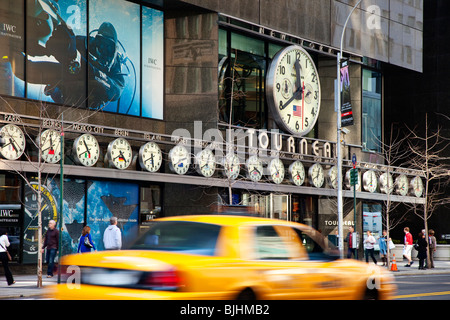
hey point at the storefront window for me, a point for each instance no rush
(241, 81)
(150, 205)
(372, 219)
(371, 111)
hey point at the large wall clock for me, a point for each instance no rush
(50, 145)
(180, 159)
(293, 90)
(119, 154)
(14, 142)
(150, 156)
(86, 150)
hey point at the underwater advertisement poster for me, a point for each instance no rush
(68, 64)
(106, 199)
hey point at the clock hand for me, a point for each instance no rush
(297, 74)
(87, 149)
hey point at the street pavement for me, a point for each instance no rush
(26, 284)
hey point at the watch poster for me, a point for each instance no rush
(106, 199)
(69, 63)
(346, 105)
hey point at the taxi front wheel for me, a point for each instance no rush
(246, 294)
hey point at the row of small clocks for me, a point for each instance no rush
(119, 155)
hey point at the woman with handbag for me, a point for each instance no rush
(86, 243)
(5, 256)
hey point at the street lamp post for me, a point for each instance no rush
(338, 145)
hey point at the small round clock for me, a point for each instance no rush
(231, 166)
(205, 162)
(316, 175)
(332, 177)
(179, 159)
(293, 90)
(386, 183)
(276, 169)
(254, 168)
(119, 154)
(14, 142)
(416, 185)
(401, 183)
(86, 150)
(150, 156)
(297, 173)
(348, 181)
(370, 181)
(50, 145)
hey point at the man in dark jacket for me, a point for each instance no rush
(51, 239)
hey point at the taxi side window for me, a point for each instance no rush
(269, 244)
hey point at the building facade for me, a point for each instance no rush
(135, 109)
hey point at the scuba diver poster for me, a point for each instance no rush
(114, 53)
(67, 63)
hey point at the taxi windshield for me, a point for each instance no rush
(180, 236)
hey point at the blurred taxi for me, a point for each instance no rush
(223, 257)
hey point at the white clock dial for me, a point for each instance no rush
(332, 177)
(370, 181)
(231, 166)
(86, 150)
(150, 156)
(293, 90)
(205, 163)
(401, 183)
(386, 183)
(254, 168)
(347, 180)
(50, 145)
(179, 159)
(120, 153)
(417, 186)
(14, 142)
(277, 171)
(316, 175)
(297, 173)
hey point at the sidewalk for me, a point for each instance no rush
(25, 286)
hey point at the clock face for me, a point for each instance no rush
(150, 156)
(297, 173)
(332, 177)
(370, 181)
(86, 150)
(417, 186)
(205, 162)
(179, 159)
(347, 181)
(386, 183)
(14, 142)
(254, 168)
(120, 154)
(276, 168)
(293, 90)
(231, 166)
(401, 183)
(316, 176)
(50, 144)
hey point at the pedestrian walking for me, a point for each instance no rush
(353, 242)
(51, 242)
(407, 248)
(86, 244)
(431, 247)
(112, 238)
(421, 247)
(369, 244)
(5, 257)
(382, 243)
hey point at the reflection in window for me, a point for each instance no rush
(371, 110)
(241, 81)
(269, 245)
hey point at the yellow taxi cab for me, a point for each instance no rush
(223, 257)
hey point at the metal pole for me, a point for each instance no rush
(61, 204)
(338, 144)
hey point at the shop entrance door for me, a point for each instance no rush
(280, 206)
